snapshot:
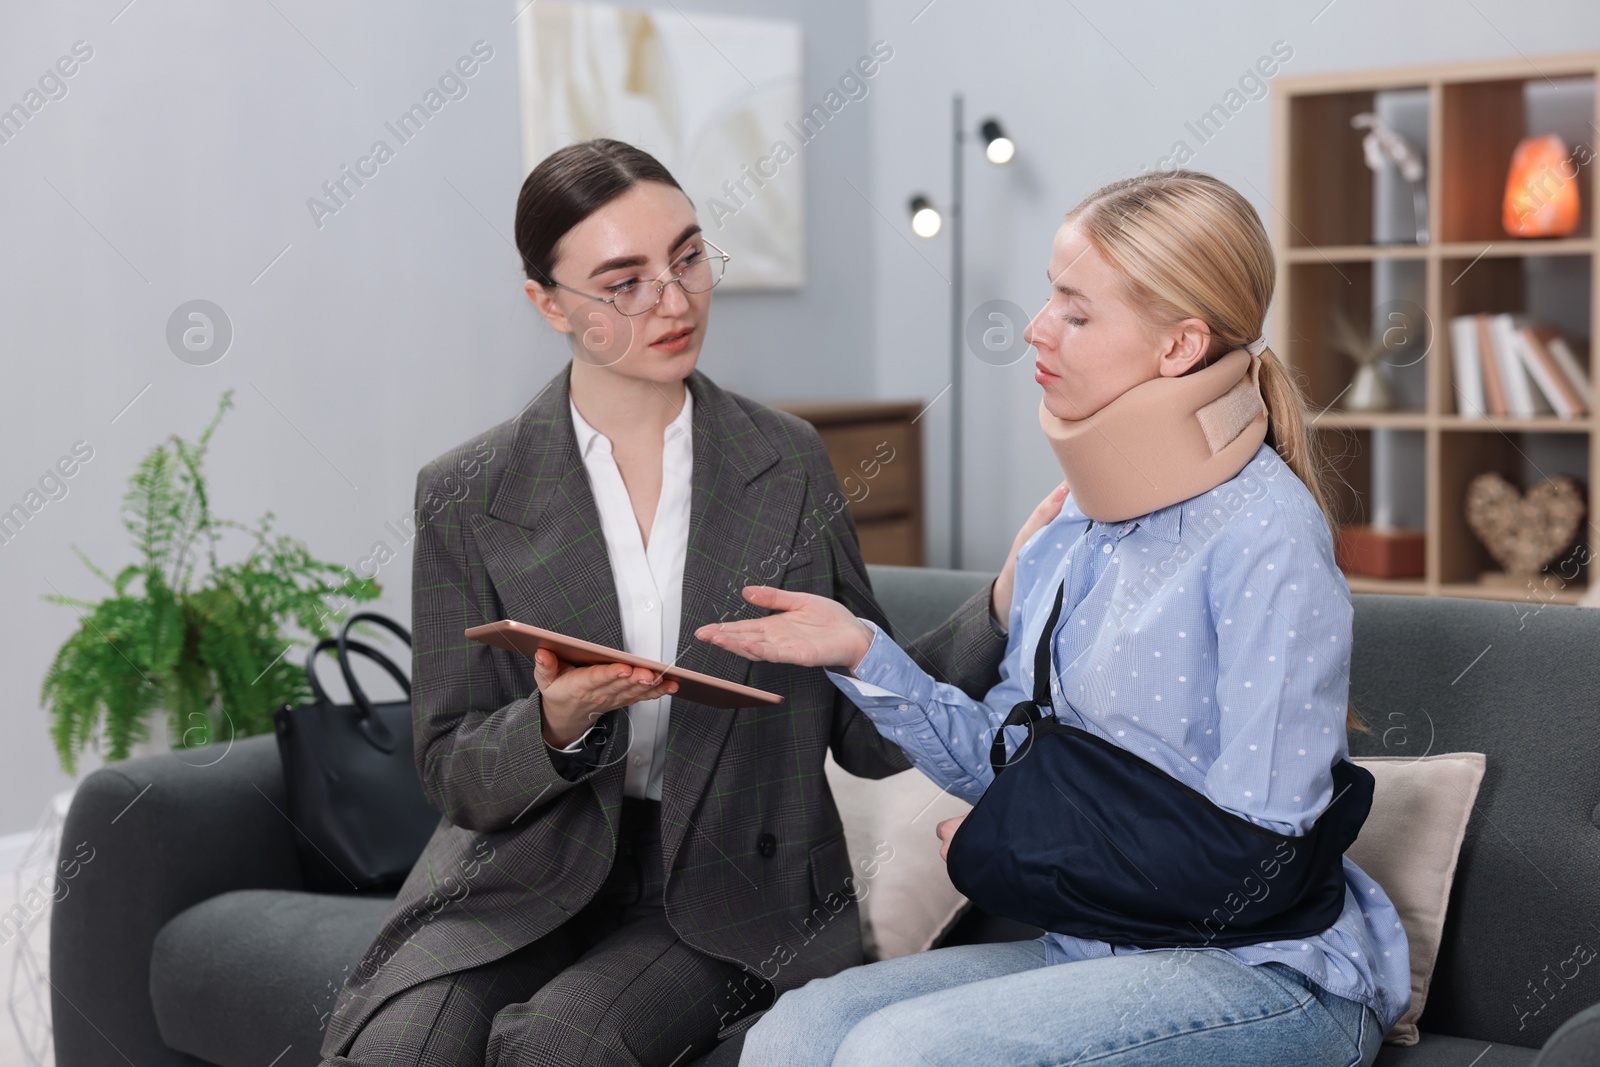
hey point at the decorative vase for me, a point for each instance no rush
(160, 739)
(1369, 390)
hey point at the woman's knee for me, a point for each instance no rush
(882, 1038)
(804, 1025)
(816, 1016)
(543, 1033)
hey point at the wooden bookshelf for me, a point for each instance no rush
(1333, 229)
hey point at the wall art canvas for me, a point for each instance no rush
(708, 95)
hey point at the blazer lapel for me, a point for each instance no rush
(542, 542)
(544, 549)
(743, 515)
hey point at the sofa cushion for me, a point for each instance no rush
(249, 975)
(1520, 682)
(1575, 1044)
(1436, 1050)
(1409, 846)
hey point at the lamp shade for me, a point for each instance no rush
(1541, 189)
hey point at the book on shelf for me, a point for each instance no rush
(1525, 401)
(1562, 395)
(1505, 365)
(1561, 351)
(1493, 384)
(1469, 371)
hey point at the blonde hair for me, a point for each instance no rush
(1187, 245)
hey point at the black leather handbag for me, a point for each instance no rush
(1079, 836)
(351, 778)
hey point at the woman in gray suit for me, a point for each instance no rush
(622, 875)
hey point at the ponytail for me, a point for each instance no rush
(1289, 436)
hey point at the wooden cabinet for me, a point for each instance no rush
(1341, 242)
(876, 449)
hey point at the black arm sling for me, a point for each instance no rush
(1081, 837)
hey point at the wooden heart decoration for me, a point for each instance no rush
(1524, 532)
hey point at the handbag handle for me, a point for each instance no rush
(368, 723)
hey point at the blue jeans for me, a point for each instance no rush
(1002, 1004)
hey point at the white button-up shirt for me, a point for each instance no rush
(649, 578)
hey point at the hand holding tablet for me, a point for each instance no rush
(702, 688)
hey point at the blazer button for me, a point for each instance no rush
(766, 844)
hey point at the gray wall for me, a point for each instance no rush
(178, 165)
(1092, 92)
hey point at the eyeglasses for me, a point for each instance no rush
(697, 272)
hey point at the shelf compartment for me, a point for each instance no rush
(1524, 458)
(1332, 192)
(1481, 124)
(1330, 195)
(1384, 300)
(1550, 290)
(1373, 476)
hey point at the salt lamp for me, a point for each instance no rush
(1541, 190)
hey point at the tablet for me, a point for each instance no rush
(701, 688)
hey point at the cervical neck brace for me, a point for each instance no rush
(1164, 440)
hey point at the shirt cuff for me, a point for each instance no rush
(887, 684)
(576, 746)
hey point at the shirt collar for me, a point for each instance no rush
(1165, 523)
(590, 438)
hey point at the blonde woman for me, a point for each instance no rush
(1187, 610)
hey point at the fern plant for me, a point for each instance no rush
(182, 633)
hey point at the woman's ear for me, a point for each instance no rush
(1184, 347)
(545, 300)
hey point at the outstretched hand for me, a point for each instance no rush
(804, 629)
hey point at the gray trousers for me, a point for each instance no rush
(614, 985)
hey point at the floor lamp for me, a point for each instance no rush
(926, 221)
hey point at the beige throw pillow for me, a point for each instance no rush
(907, 901)
(1409, 845)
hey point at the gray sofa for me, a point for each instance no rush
(188, 940)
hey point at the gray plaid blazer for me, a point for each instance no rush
(507, 528)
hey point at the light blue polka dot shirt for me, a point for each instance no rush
(1210, 638)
